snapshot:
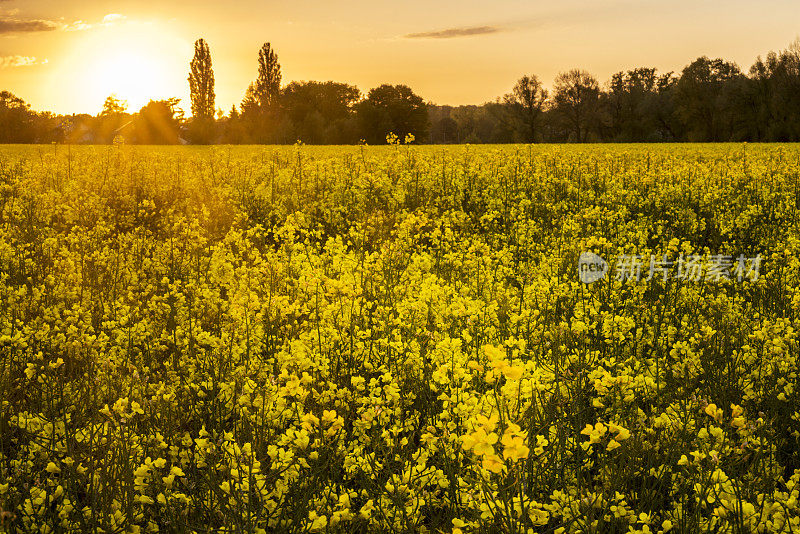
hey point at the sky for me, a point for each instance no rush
(67, 56)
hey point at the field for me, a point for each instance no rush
(378, 339)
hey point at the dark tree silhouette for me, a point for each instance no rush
(260, 104)
(159, 123)
(265, 91)
(774, 95)
(17, 121)
(577, 95)
(321, 112)
(702, 98)
(392, 109)
(710, 100)
(203, 97)
(527, 101)
(201, 82)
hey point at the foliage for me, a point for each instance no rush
(321, 112)
(260, 106)
(392, 109)
(710, 100)
(527, 102)
(203, 97)
(158, 123)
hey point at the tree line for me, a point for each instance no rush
(711, 99)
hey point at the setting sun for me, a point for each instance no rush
(134, 62)
(127, 75)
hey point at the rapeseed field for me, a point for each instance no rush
(399, 339)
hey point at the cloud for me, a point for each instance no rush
(26, 26)
(10, 24)
(77, 26)
(111, 18)
(19, 61)
(80, 25)
(452, 33)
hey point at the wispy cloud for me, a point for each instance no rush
(8, 25)
(111, 18)
(79, 25)
(19, 61)
(452, 33)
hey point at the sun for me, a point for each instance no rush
(129, 76)
(134, 63)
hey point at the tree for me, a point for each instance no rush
(321, 112)
(633, 106)
(203, 97)
(201, 82)
(113, 117)
(259, 107)
(660, 108)
(527, 101)
(114, 107)
(444, 129)
(577, 101)
(702, 98)
(264, 93)
(774, 89)
(17, 121)
(392, 109)
(159, 123)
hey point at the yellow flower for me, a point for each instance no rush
(738, 420)
(493, 352)
(714, 412)
(514, 448)
(512, 372)
(492, 462)
(366, 510)
(487, 423)
(317, 522)
(480, 442)
(30, 371)
(622, 432)
(328, 417)
(595, 433)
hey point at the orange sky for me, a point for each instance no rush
(67, 56)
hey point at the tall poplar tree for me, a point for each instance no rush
(260, 104)
(201, 82)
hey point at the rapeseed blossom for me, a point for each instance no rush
(396, 340)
